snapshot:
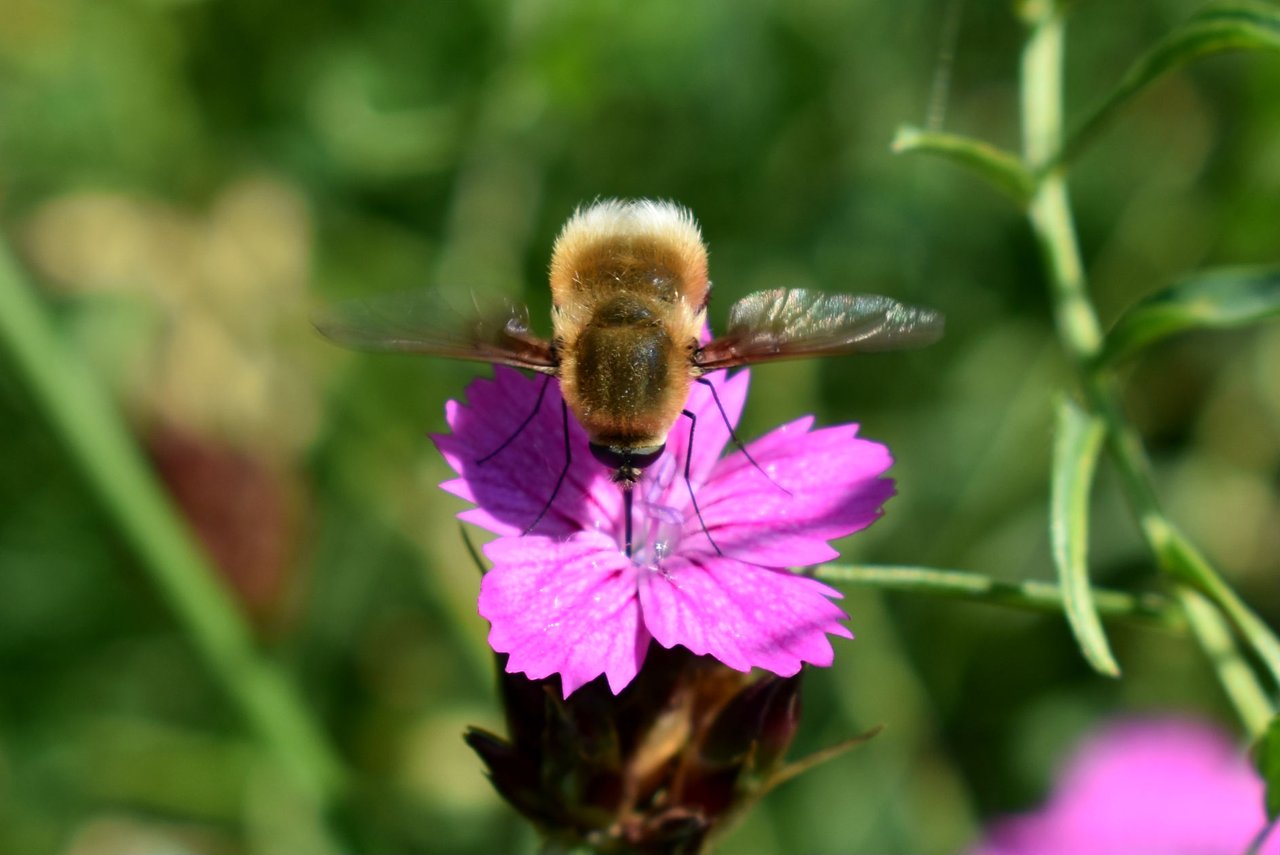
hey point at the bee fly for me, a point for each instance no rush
(629, 293)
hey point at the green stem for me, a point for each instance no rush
(1147, 609)
(85, 419)
(1050, 216)
(1215, 638)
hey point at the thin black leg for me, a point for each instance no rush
(537, 405)
(693, 423)
(564, 418)
(705, 382)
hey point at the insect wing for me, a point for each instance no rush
(422, 322)
(791, 323)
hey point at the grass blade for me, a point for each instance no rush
(99, 442)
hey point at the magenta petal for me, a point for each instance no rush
(566, 607)
(1145, 788)
(511, 487)
(825, 485)
(743, 615)
(566, 600)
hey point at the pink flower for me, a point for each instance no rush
(1156, 787)
(566, 599)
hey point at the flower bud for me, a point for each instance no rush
(656, 768)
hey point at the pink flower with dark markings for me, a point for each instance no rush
(1146, 787)
(565, 599)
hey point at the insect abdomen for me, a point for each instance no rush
(625, 367)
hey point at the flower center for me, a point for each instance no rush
(657, 526)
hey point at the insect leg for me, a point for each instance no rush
(705, 382)
(564, 416)
(542, 390)
(688, 458)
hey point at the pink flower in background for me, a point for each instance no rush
(1157, 787)
(566, 599)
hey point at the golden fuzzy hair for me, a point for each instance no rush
(614, 240)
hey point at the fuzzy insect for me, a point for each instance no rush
(629, 292)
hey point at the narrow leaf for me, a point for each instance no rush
(1266, 756)
(822, 755)
(1075, 454)
(1217, 28)
(1215, 299)
(1002, 169)
(473, 550)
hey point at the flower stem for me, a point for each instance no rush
(83, 417)
(1148, 609)
(1049, 213)
(1215, 638)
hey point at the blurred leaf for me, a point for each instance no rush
(472, 549)
(1266, 756)
(811, 761)
(98, 440)
(1218, 28)
(1002, 169)
(1180, 558)
(1215, 299)
(1234, 669)
(1075, 454)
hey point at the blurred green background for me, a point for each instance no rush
(186, 180)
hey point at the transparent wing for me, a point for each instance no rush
(422, 322)
(789, 323)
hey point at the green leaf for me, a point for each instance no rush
(1002, 169)
(1217, 28)
(1215, 299)
(1266, 756)
(1075, 454)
